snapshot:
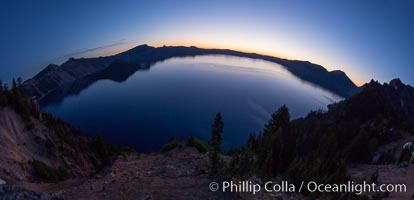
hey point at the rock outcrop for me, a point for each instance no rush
(20, 146)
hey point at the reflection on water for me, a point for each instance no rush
(179, 97)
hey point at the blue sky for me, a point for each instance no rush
(366, 39)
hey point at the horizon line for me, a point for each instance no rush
(120, 47)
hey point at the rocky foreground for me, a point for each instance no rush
(178, 174)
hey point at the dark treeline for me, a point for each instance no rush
(320, 146)
(270, 153)
(15, 97)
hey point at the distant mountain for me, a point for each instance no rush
(54, 77)
(117, 71)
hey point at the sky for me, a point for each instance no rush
(370, 39)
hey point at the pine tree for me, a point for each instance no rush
(6, 93)
(19, 100)
(287, 139)
(216, 161)
(15, 91)
(19, 81)
(102, 149)
(2, 95)
(277, 145)
(217, 130)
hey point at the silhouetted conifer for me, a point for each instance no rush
(216, 162)
(277, 144)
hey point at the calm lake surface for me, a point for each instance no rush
(180, 97)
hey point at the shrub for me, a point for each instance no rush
(200, 145)
(37, 139)
(49, 173)
(49, 145)
(102, 149)
(128, 149)
(29, 125)
(171, 145)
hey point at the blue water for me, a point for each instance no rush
(179, 97)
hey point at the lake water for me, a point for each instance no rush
(180, 97)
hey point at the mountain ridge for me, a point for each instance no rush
(54, 76)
